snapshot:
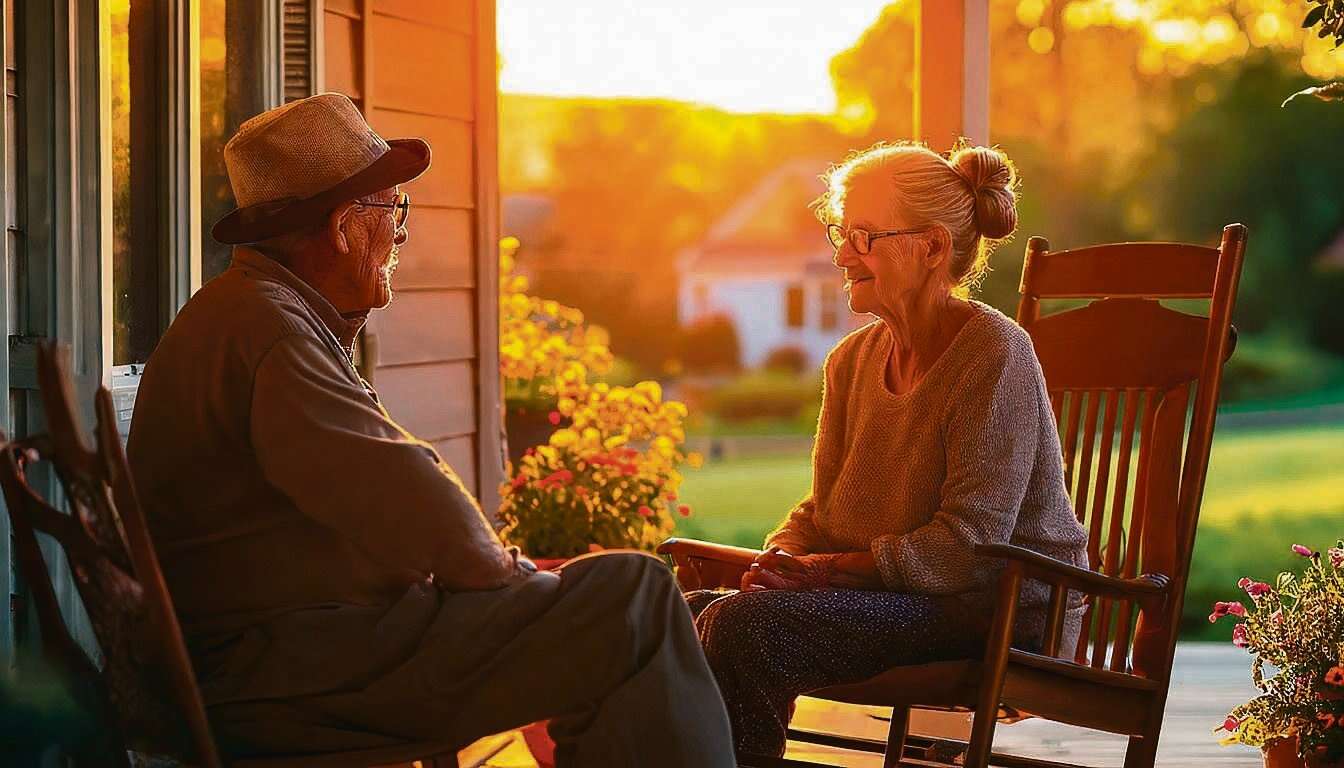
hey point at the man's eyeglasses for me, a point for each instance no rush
(401, 209)
(861, 239)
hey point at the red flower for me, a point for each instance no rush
(684, 511)
(1335, 676)
(644, 511)
(1254, 588)
(1303, 551)
(554, 418)
(530, 452)
(519, 482)
(581, 492)
(1325, 719)
(1230, 724)
(1239, 636)
(671, 497)
(1221, 609)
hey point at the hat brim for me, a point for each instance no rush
(404, 161)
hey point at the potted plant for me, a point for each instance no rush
(606, 480)
(540, 342)
(1294, 629)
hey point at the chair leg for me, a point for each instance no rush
(995, 668)
(900, 726)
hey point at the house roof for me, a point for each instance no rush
(771, 228)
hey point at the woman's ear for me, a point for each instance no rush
(336, 222)
(940, 246)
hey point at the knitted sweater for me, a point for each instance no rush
(969, 456)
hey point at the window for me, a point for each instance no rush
(830, 306)
(237, 82)
(135, 263)
(793, 306)
(165, 197)
(700, 298)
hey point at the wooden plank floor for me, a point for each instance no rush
(1207, 681)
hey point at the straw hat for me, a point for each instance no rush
(290, 166)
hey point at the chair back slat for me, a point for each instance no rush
(1144, 270)
(1120, 370)
(145, 689)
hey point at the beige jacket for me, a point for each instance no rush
(272, 478)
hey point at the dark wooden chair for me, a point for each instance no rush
(1122, 367)
(144, 693)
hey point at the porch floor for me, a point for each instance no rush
(1207, 681)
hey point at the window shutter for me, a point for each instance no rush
(298, 48)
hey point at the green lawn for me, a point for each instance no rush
(1268, 488)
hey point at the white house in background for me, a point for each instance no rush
(766, 265)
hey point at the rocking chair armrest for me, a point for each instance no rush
(680, 550)
(1034, 565)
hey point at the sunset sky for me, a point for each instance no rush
(740, 55)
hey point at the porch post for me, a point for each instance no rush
(952, 72)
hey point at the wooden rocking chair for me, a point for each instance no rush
(1122, 367)
(144, 696)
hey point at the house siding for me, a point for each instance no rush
(427, 68)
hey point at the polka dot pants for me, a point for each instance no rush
(767, 648)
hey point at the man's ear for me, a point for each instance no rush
(336, 222)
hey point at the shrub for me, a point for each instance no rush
(710, 345)
(764, 395)
(1274, 366)
(787, 359)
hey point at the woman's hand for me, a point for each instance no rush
(777, 569)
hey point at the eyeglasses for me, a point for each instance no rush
(401, 209)
(862, 239)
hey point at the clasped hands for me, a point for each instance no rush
(777, 569)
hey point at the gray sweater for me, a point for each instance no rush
(969, 456)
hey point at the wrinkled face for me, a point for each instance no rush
(877, 282)
(374, 239)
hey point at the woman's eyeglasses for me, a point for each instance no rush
(861, 239)
(401, 209)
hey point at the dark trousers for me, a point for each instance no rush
(767, 648)
(606, 650)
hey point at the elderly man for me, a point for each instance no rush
(338, 586)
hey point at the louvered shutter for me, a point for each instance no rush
(298, 48)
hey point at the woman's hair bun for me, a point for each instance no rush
(993, 182)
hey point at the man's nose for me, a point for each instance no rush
(845, 256)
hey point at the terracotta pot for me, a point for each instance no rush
(1282, 753)
(549, 563)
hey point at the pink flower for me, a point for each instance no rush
(1303, 551)
(684, 510)
(1230, 724)
(1221, 609)
(1253, 588)
(1239, 636)
(645, 511)
(1337, 557)
(554, 418)
(1276, 617)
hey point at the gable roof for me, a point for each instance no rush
(771, 228)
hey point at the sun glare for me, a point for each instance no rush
(738, 55)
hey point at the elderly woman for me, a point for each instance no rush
(936, 435)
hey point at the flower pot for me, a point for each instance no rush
(1282, 753)
(526, 427)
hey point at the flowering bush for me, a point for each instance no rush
(608, 476)
(1295, 627)
(540, 339)
(608, 480)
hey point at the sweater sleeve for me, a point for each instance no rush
(798, 534)
(991, 434)
(323, 442)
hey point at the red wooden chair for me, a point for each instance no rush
(1121, 371)
(144, 693)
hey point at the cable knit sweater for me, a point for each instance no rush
(969, 456)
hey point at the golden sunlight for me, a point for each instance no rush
(742, 56)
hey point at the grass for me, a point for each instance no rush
(1268, 488)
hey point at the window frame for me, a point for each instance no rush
(795, 320)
